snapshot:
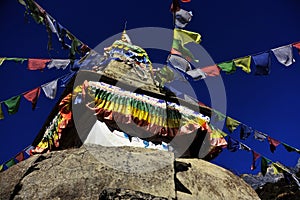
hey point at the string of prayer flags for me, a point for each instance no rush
(59, 63)
(255, 157)
(290, 148)
(244, 63)
(232, 124)
(50, 89)
(273, 143)
(13, 104)
(245, 132)
(33, 96)
(284, 55)
(37, 64)
(227, 67)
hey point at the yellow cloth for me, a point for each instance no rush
(244, 63)
(186, 36)
(217, 133)
(232, 124)
(2, 60)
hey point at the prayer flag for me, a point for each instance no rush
(2, 60)
(13, 104)
(1, 112)
(297, 46)
(182, 18)
(50, 89)
(59, 63)
(227, 67)
(185, 1)
(179, 63)
(218, 116)
(233, 145)
(244, 63)
(262, 63)
(37, 64)
(10, 163)
(259, 136)
(186, 37)
(245, 132)
(196, 74)
(273, 144)
(66, 79)
(255, 156)
(213, 70)
(20, 156)
(244, 147)
(290, 148)
(264, 165)
(284, 55)
(33, 96)
(232, 124)
(277, 169)
(1, 168)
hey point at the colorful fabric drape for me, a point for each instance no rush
(50, 89)
(227, 67)
(153, 115)
(244, 63)
(232, 124)
(273, 143)
(213, 70)
(255, 156)
(33, 96)
(13, 104)
(37, 64)
(1, 112)
(262, 63)
(284, 55)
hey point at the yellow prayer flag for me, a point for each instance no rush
(217, 133)
(2, 60)
(244, 63)
(232, 124)
(186, 36)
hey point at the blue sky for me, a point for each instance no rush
(229, 29)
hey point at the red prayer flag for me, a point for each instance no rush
(37, 64)
(255, 156)
(185, 1)
(33, 96)
(20, 156)
(297, 46)
(175, 6)
(273, 144)
(213, 70)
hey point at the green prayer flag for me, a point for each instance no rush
(244, 63)
(264, 165)
(13, 104)
(2, 60)
(20, 60)
(10, 163)
(1, 112)
(184, 52)
(290, 148)
(227, 67)
(219, 116)
(232, 124)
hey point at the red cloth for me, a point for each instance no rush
(297, 46)
(213, 70)
(20, 156)
(33, 96)
(37, 64)
(273, 144)
(255, 157)
(185, 1)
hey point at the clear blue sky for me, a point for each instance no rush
(229, 29)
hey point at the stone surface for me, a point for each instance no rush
(207, 181)
(95, 172)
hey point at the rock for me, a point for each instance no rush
(96, 172)
(208, 181)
